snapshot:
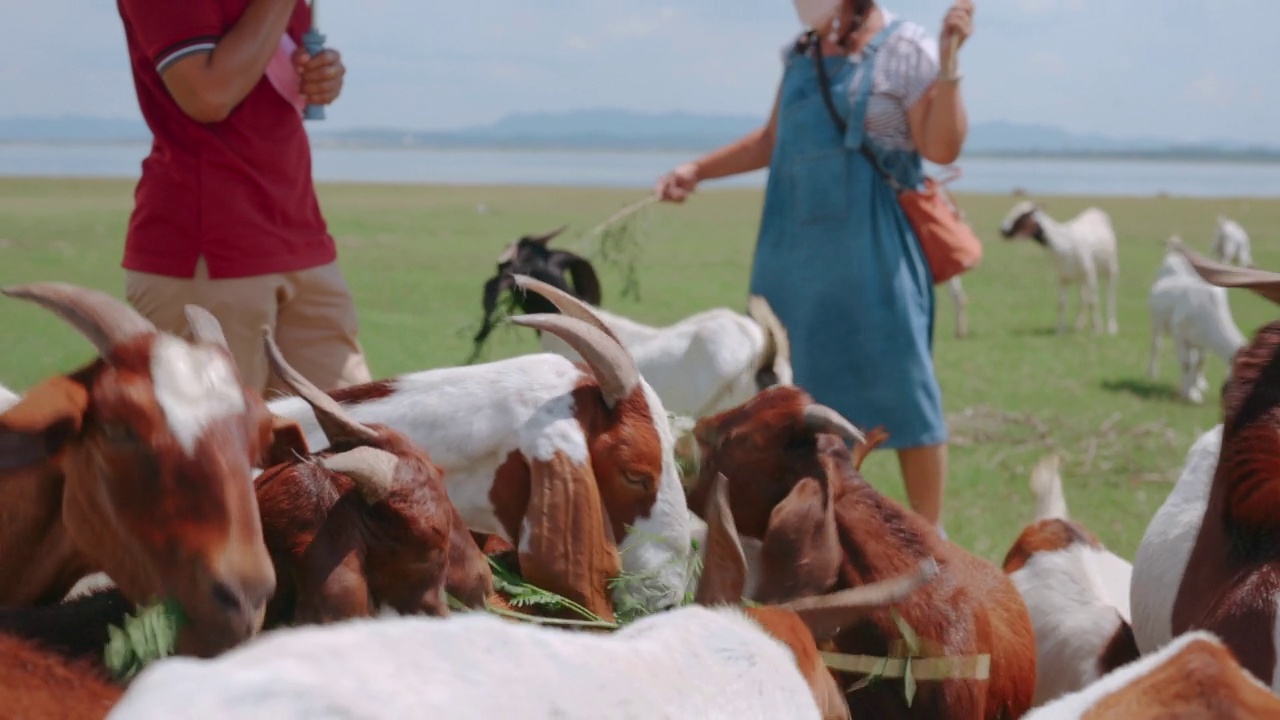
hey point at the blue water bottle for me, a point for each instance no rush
(313, 41)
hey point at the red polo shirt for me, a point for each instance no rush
(239, 191)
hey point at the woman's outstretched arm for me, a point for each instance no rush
(751, 152)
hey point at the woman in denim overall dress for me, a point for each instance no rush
(836, 258)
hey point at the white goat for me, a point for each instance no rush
(710, 361)
(1166, 545)
(1084, 252)
(1076, 591)
(705, 363)
(1198, 317)
(1231, 243)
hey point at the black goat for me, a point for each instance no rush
(530, 256)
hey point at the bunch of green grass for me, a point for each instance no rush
(148, 635)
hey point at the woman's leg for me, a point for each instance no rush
(924, 472)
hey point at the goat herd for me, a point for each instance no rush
(329, 554)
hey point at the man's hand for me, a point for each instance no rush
(321, 75)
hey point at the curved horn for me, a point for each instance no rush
(565, 303)
(104, 320)
(545, 238)
(822, 419)
(372, 470)
(333, 420)
(777, 342)
(612, 366)
(868, 597)
(1262, 282)
(205, 327)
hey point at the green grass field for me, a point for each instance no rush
(416, 258)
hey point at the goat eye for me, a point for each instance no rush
(638, 480)
(119, 433)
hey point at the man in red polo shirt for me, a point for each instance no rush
(226, 215)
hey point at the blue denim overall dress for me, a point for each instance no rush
(839, 263)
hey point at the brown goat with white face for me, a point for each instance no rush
(137, 465)
(365, 524)
(796, 488)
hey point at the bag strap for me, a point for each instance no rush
(868, 70)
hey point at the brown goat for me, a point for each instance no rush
(363, 524)
(36, 684)
(822, 526)
(137, 465)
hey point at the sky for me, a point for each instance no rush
(1179, 69)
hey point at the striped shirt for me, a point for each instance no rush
(906, 65)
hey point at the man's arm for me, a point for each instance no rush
(209, 84)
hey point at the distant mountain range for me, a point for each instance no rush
(624, 130)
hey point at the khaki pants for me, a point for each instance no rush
(310, 311)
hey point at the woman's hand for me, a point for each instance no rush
(676, 185)
(958, 24)
(321, 75)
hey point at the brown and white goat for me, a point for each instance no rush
(365, 524)
(822, 526)
(137, 465)
(557, 458)
(1209, 559)
(712, 659)
(1195, 676)
(1076, 591)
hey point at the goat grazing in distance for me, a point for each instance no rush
(1198, 317)
(1231, 244)
(1084, 254)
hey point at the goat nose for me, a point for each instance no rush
(226, 598)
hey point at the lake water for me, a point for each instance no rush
(1037, 176)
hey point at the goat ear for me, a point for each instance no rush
(493, 287)
(874, 438)
(1262, 282)
(585, 283)
(38, 425)
(724, 565)
(288, 442)
(801, 553)
(565, 548)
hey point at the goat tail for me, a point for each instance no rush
(1046, 485)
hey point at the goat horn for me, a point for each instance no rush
(612, 366)
(777, 342)
(546, 237)
(565, 303)
(866, 597)
(822, 419)
(104, 320)
(333, 420)
(1262, 282)
(372, 470)
(205, 327)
